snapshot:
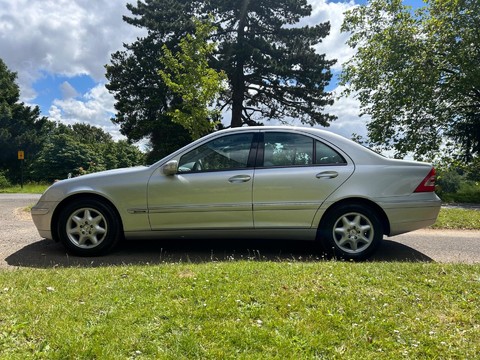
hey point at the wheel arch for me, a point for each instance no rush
(76, 197)
(362, 202)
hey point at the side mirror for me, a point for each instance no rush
(170, 168)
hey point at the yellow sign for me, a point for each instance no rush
(21, 155)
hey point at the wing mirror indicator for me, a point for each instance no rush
(170, 168)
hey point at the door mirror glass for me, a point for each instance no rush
(170, 168)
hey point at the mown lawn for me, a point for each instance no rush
(29, 188)
(242, 310)
(454, 218)
(246, 309)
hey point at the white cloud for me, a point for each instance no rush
(96, 107)
(334, 45)
(68, 91)
(347, 110)
(66, 37)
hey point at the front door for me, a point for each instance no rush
(212, 189)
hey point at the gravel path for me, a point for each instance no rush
(17, 229)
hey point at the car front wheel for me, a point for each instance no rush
(351, 232)
(88, 227)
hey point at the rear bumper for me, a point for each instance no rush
(405, 216)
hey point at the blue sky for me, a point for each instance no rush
(59, 48)
(49, 87)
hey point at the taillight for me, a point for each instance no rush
(427, 184)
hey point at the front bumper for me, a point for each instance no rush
(42, 214)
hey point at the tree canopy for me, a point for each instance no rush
(416, 74)
(188, 75)
(272, 69)
(52, 150)
(79, 149)
(21, 126)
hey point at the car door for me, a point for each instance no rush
(211, 190)
(296, 173)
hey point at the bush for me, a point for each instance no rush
(472, 171)
(449, 182)
(469, 192)
(458, 182)
(4, 183)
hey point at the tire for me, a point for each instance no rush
(351, 232)
(88, 227)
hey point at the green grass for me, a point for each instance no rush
(242, 310)
(30, 188)
(454, 218)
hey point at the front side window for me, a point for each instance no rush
(226, 153)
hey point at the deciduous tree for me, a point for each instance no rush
(21, 126)
(188, 75)
(417, 75)
(80, 149)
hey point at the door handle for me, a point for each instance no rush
(239, 179)
(327, 175)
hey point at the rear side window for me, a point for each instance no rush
(289, 149)
(325, 155)
(285, 149)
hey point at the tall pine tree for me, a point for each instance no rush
(272, 68)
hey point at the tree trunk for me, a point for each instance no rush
(237, 97)
(238, 81)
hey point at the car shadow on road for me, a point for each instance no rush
(48, 254)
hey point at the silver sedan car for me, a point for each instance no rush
(293, 183)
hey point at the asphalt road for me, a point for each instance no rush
(21, 246)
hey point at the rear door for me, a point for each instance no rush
(294, 176)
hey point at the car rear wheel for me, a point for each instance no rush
(351, 232)
(88, 227)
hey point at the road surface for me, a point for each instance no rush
(21, 246)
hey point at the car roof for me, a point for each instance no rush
(308, 129)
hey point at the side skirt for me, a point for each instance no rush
(237, 234)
